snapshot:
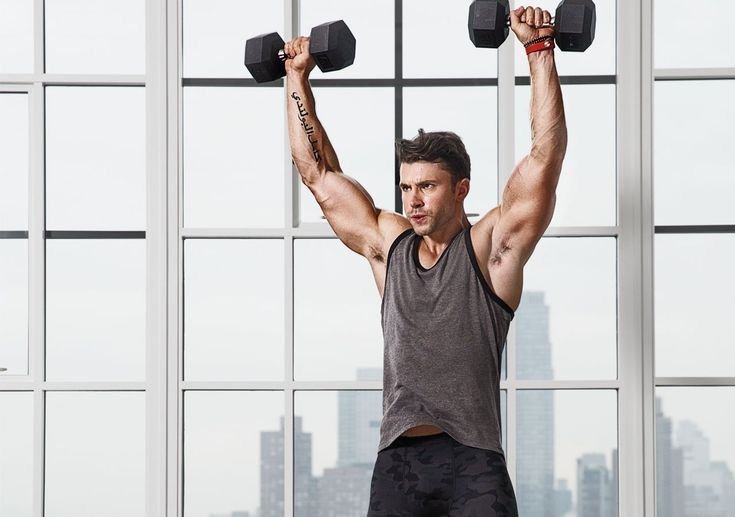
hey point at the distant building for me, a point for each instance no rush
(359, 415)
(708, 486)
(272, 478)
(669, 472)
(344, 491)
(593, 487)
(535, 418)
(562, 498)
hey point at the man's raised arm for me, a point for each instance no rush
(529, 197)
(348, 207)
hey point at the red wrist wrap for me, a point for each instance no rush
(547, 44)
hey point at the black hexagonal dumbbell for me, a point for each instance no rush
(574, 24)
(331, 44)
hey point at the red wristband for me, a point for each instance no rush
(547, 44)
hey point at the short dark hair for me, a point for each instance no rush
(442, 147)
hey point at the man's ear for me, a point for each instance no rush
(462, 189)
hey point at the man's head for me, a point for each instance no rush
(435, 180)
(442, 147)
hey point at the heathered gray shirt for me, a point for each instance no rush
(444, 332)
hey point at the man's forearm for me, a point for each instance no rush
(311, 150)
(548, 124)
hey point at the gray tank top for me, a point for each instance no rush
(444, 332)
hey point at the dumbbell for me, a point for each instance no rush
(331, 44)
(574, 24)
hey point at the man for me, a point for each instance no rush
(449, 288)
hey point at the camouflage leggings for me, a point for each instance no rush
(436, 476)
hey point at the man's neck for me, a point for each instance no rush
(437, 241)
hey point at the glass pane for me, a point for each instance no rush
(695, 453)
(436, 42)
(336, 312)
(693, 152)
(694, 305)
(372, 23)
(95, 310)
(598, 59)
(234, 309)
(233, 453)
(95, 158)
(566, 323)
(336, 436)
(14, 306)
(95, 454)
(586, 190)
(464, 110)
(673, 18)
(16, 37)
(215, 33)
(95, 36)
(343, 111)
(233, 157)
(567, 453)
(16, 454)
(14, 155)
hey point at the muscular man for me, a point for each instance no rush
(449, 289)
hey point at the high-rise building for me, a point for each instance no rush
(562, 498)
(708, 485)
(359, 414)
(344, 491)
(593, 486)
(669, 472)
(535, 418)
(271, 473)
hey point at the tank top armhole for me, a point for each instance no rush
(393, 247)
(387, 263)
(483, 282)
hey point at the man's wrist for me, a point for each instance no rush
(541, 57)
(298, 77)
(539, 44)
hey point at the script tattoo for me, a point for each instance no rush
(309, 130)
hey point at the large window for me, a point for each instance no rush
(694, 219)
(182, 335)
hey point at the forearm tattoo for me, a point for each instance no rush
(309, 130)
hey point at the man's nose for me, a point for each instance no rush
(415, 199)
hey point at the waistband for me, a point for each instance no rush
(403, 441)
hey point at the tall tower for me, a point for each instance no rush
(271, 473)
(669, 475)
(535, 444)
(359, 414)
(593, 486)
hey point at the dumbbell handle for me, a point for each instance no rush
(549, 25)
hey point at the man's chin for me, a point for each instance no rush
(421, 229)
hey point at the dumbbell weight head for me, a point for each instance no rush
(262, 57)
(488, 22)
(574, 24)
(332, 45)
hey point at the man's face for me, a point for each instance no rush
(429, 199)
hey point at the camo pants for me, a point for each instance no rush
(436, 476)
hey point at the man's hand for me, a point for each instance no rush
(298, 58)
(529, 23)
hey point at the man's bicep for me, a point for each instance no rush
(350, 211)
(526, 208)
